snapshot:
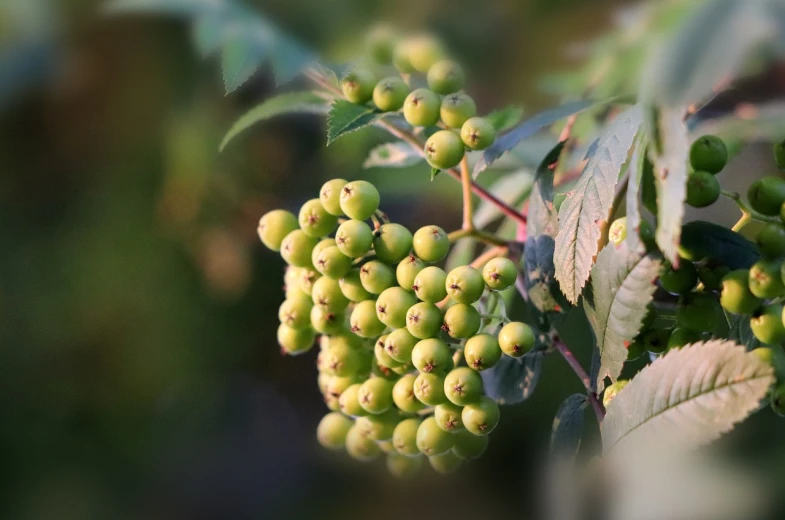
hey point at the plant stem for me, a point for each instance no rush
(466, 185)
(480, 236)
(747, 213)
(566, 353)
(488, 255)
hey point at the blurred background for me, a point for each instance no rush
(140, 375)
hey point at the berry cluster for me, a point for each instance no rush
(442, 104)
(395, 329)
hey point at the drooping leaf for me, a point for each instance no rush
(240, 58)
(543, 218)
(567, 428)
(538, 273)
(687, 398)
(505, 118)
(634, 242)
(289, 103)
(512, 380)
(589, 203)
(622, 285)
(346, 117)
(392, 155)
(701, 240)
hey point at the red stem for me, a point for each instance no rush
(566, 353)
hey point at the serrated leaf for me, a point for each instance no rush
(634, 242)
(505, 118)
(687, 398)
(589, 203)
(240, 58)
(434, 173)
(289, 59)
(512, 380)
(392, 155)
(567, 428)
(209, 32)
(175, 7)
(701, 240)
(289, 103)
(346, 117)
(622, 285)
(543, 218)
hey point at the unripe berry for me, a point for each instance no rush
(469, 446)
(703, 189)
(381, 355)
(681, 336)
(481, 418)
(421, 107)
(465, 284)
(499, 273)
(404, 396)
(327, 295)
(400, 58)
(354, 238)
(295, 311)
(429, 388)
(618, 231)
(390, 93)
(332, 430)
(405, 437)
(711, 273)
(708, 153)
(463, 386)
(352, 287)
(274, 226)
(778, 400)
(402, 467)
(332, 263)
(771, 240)
(445, 463)
(327, 322)
(444, 150)
(456, 109)
(681, 280)
(364, 322)
(432, 440)
(375, 395)
(359, 200)
(391, 306)
(407, 271)
(295, 341)
(432, 355)
(478, 133)
(341, 360)
(357, 86)
(516, 339)
(766, 195)
(379, 427)
(430, 244)
(655, 340)
(482, 351)
(612, 391)
(429, 284)
(399, 345)
(767, 324)
(736, 296)
(315, 221)
(462, 321)
(423, 320)
(698, 312)
(392, 243)
(360, 447)
(319, 247)
(448, 417)
(380, 42)
(765, 279)
(635, 349)
(774, 357)
(349, 402)
(308, 277)
(330, 196)
(296, 248)
(291, 282)
(446, 77)
(779, 154)
(376, 276)
(424, 51)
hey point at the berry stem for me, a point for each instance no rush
(747, 213)
(480, 236)
(466, 185)
(568, 356)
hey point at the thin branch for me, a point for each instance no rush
(566, 353)
(480, 236)
(466, 185)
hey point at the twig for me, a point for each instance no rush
(566, 353)
(466, 185)
(480, 236)
(747, 213)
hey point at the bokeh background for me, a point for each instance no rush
(140, 376)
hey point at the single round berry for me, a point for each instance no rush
(354, 238)
(681, 336)
(308, 277)
(364, 322)
(381, 355)
(429, 284)
(655, 340)
(357, 86)
(315, 221)
(618, 231)
(516, 339)
(375, 395)
(341, 360)
(274, 226)
(349, 402)
(291, 281)
(681, 280)
(430, 244)
(376, 277)
(330, 196)
(390, 93)
(359, 200)
(423, 320)
(478, 133)
(698, 311)
(295, 311)
(399, 345)
(771, 240)
(404, 397)
(736, 296)
(766, 195)
(391, 306)
(456, 109)
(612, 391)
(336, 386)
(332, 430)
(448, 417)
(708, 153)
(499, 274)
(360, 447)
(461, 321)
(400, 58)
(432, 440)
(446, 77)
(295, 341)
(444, 150)
(332, 263)
(407, 271)
(432, 355)
(465, 284)
(352, 287)
(711, 272)
(765, 279)
(774, 357)
(421, 107)
(402, 467)
(703, 189)
(379, 43)
(445, 463)
(635, 349)
(463, 386)
(379, 427)
(405, 437)
(327, 295)
(319, 247)
(767, 326)
(779, 154)
(327, 322)
(481, 418)
(482, 351)
(424, 51)
(392, 243)
(778, 400)
(429, 388)
(296, 248)
(468, 446)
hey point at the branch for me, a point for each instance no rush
(566, 353)
(466, 184)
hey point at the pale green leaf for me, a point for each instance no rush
(505, 118)
(240, 58)
(393, 155)
(634, 242)
(346, 117)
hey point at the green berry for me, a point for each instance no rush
(295, 311)
(698, 312)
(463, 386)
(448, 417)
(364, 322)
(296, 248)
(499, 273)
(681, 280)
(444, 150)
(381, 426)
(778, 400)
(359, 200)
(360, 447)
(274, 226)
(338, 385)
(516, 339)
(400, 58)
(295, 341)
(319, 247)
(430, 244)
(404, 397)
(708, 153)
(376, 276)
(735, 295)
(618, 231)
(402, 467)
(681, 336)
(381, 355)
(771, 240)
(445, 463)
(407, 271)
(391, 306)
(612, 391)
(327, 322)
(392, 243)
(423, 320)
(315, 221)
(405, 437)
(357, 86)
(481, 418)
(375, 395)
(291, 282)
(421, 107)
(424, 51)
(711, 273)
(432, 440)
(308, 277)
(655, 340)
(432, 355)
(635, 349)
(327, 295)
(765, 280)
(703, 189)
(461, 321)
(352, 287)
(456, 109)
(354, 238)
(779, 154)
(429, 284)
(332, 263)
(774, 357)
(332, 430)
(390, 93)
(429, 388)
(766, 195)
(478, 133)
(446, 77)
(399, 345)
(330, 196)
(468, 446)
(349, 402)
(766, 324)
(380, 42)
(482, 351)
(341, 360)
(465, 284)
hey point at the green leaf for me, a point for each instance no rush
(512, 380)
(622, 285)
(171, 7)
(434, 173)
(392, 155)
(589, 203)
(505, 118)
(543, 218)
(240, 58)
(209, 32)
(567, 428)
(687, 398)
(634, 242)
(289, 103)
(346, 117)
(741, 332)
(701, 240)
